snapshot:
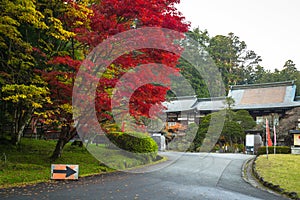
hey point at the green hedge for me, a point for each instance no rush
(133, 142)
(279, 150)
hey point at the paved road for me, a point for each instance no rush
(184, 176)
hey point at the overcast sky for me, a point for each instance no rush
(269, 27)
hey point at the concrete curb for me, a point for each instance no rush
(247, 175)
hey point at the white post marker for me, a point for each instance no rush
(275, 139)
(267, 134)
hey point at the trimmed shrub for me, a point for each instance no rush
(180, 145)
(279, 150)
(133, 142)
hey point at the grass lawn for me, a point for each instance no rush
(280, 169)
(30, 162)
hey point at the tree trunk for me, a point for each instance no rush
(21, 119)
(65, 136)
(58, 149)
(14, 136)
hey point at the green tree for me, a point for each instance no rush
(232, 132)
(287, 123)
(232, 57)
(229, 102)
(201, 132)
(195, 42)
(288, 73)
(235, 62)
(235, 124)
(258, 74)
(244, 119)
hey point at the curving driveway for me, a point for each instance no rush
(183, 176)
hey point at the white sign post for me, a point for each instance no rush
(250, 142)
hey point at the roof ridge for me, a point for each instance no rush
(212, 98)
(183, 98)
(262, 85)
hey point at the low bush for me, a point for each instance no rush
(133, 142)
(279, 150)
(181, 146)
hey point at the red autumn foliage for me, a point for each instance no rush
(111, 17)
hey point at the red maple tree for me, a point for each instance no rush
(112, 17)
(108, 18)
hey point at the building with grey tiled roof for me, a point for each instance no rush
(259, 99)
(265, 98)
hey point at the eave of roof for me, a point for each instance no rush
(267, 106)
(181, 104)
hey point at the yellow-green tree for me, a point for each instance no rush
(24, 100)
(22, 90)
(32, 33)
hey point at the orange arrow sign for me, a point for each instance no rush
(59, 171)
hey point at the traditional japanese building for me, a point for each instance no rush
(265, 99)
(261, 100)
(182, 110)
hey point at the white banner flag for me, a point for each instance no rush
(275, 140)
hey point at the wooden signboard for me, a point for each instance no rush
(64, 172)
